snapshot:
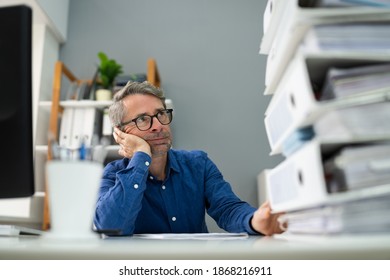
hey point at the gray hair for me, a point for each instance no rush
(117, 111)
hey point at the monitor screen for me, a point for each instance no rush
(16, 145)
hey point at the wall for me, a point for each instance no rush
(57, 13)
(207, 54)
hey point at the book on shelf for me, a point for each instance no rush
(78, 91)
(71, 91)
(121, 81)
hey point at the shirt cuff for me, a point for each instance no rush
(140, 160)
(249, 227)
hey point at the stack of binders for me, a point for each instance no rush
(79, 126)
(328, 69)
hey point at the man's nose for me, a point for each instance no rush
(156, 125)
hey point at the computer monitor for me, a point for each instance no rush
(16, 137)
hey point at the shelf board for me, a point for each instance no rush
(86, 103)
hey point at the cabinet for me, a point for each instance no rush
(306, 46)
(62, 75)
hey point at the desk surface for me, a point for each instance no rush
(278, 247)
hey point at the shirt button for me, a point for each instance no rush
(147, 163)
(136, 186)
(151, 177)
(174, 219)
(163, 187)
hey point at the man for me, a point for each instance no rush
(156, 189)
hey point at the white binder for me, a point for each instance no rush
(294, 104)
(360, 216)
(86, 124)
(91, 125)
(107, 129)
(295, 24)
(77, 128)
(66, 125)
(277, 12)
(271, 18)
(299, 182)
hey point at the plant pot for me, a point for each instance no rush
(103, 94)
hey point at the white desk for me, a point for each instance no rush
(347, 247)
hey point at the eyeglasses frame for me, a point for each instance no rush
(168, 111)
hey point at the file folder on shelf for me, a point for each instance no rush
(78, 126)
(292, 31)
(299, 182)
(107, 129)
(86, 124)
(91, 125)
(295, 104)
(65, 137)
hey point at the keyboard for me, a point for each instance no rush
(14, 230)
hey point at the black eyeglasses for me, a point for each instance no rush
(145, 122)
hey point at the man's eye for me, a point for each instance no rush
(142, 119)
(162, 113)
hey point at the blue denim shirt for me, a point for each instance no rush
(132, 200)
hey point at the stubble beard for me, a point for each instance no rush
(161, 150)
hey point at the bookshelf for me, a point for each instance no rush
(297, 68)
(56, 106)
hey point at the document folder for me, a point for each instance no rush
(299, 182)
(360, 216)
(297, 22)
(358, 166)
(296, 104)
(66, 127)
(277, 11)
(77, 128)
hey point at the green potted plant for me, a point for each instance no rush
(108, 70)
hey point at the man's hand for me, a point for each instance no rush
(265, 222)
(130, 144)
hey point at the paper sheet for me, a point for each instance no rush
(201, 236)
